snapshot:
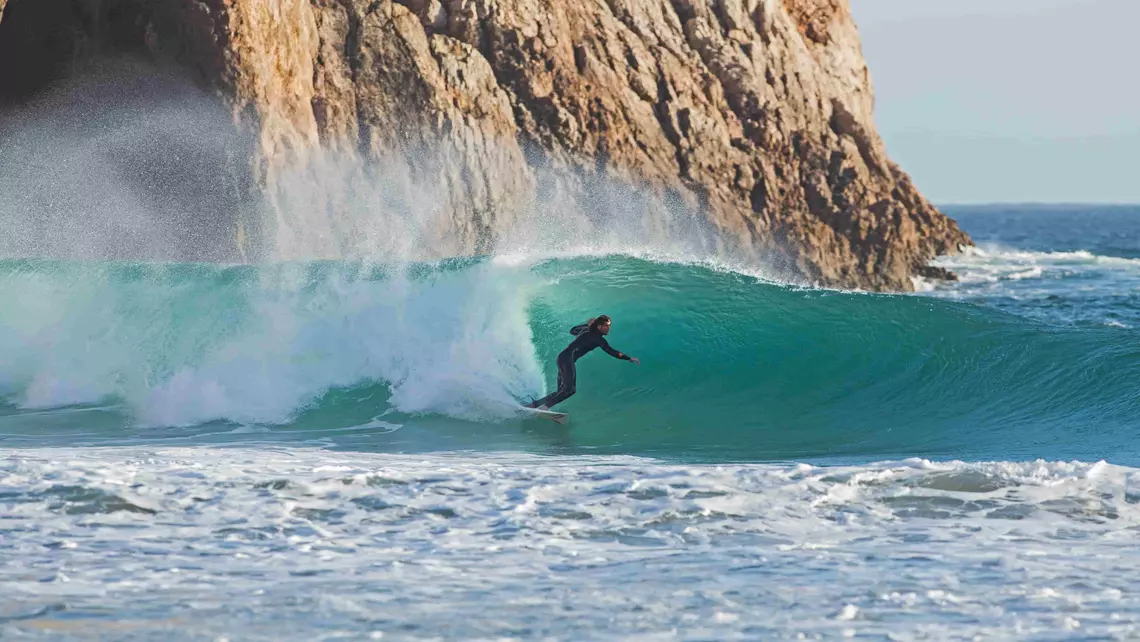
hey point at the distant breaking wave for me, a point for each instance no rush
(1077, 287)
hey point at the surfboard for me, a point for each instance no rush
(556, 417)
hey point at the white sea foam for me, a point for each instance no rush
(182, 345)
(453, 342)
(994, 263)
(1068, 287)
(264, 544)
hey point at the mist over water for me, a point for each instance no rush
(130, 161)
(396, 209)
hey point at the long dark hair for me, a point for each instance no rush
(599, 321)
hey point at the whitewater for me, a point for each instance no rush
(332, 449)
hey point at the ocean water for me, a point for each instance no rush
(1063, 265)
(330, 450)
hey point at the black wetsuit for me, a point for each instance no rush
(586, 341)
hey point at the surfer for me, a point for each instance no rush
(589, 335)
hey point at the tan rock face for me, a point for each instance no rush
(756, 112)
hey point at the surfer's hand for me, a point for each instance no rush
(635, 360)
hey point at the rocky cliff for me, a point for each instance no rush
(757, 113)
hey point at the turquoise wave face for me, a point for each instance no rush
(753, 370)
(432, 357)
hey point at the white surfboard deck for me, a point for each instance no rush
(556, 417)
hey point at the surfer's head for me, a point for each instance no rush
(600, 324)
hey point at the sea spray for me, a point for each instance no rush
(183, 345)
(133, 162)
(126, 162)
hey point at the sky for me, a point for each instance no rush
(985, 101)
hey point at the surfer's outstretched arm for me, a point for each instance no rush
(605, 345)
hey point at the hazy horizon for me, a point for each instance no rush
(1017, 102)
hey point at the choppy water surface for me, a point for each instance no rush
(305, 544)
